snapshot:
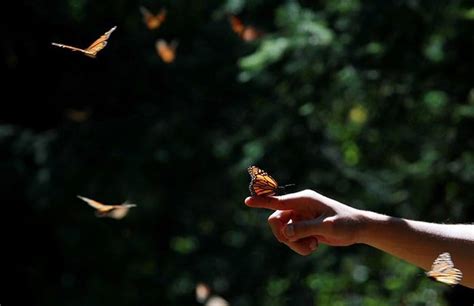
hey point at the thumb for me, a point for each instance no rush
(307, 228)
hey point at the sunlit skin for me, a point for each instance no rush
(304, 219)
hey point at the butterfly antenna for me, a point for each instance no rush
(283, 188)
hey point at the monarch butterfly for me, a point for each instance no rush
(94, 48)
(443, 270)
(153, 21)
(166, 51)
(77, 115)
(262, 184)
(246, 33)
(111, 211)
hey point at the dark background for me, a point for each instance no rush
(372, 104)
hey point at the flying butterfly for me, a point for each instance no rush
(167, 51)
(262, 184)
(443, 270)
(151, 20)
(245, 32)
(77, 115)
(111, 211)
(94, 48)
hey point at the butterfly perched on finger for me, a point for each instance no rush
(167, 51)
(153, 21)
(94, 48)
(245, 32)
(262, 184)
(112, 211)
(443, 270)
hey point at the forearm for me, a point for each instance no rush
(419, 243)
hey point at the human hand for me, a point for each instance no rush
(304, 218)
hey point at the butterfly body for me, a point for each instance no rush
(111, 211)
(443, 270)
(94, 48)
(153, 21)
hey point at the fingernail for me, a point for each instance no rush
(289, 230)
(313, 244)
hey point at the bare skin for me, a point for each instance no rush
(304, 219)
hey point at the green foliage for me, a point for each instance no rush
(369, 103)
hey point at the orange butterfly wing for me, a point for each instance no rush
(153, 21)
(95, 204)
(236, 24)
(261, 184)
(100, 43)
(443, 270)
(166, 51)
(118, 212)
(250, 34)
(94, 48)
(246, 33)
(111, 211)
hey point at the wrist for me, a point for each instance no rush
(370, 224)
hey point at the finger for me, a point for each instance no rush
(304, 246)
(306, 228)
(264, 202)
(277, 223)
(297, 200)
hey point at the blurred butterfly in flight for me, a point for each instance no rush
(111, 211)
(443, 270)
(262, 184)
(94, 48)
(245, 32)
(151, 20)
(167, 51)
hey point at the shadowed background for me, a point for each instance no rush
(371, 104)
